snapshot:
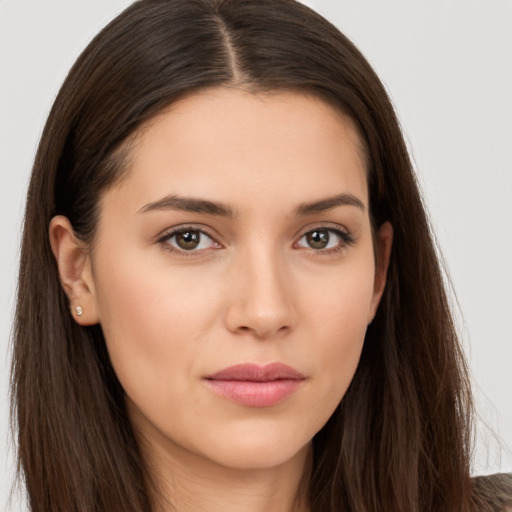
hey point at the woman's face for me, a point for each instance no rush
(233, 275)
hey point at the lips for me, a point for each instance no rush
(252, 385)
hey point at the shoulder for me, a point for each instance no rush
(493, 493)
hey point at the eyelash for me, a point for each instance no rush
(168, 235)
(346, 239)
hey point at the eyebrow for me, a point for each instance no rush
(329, 203)
(189, 204)
(196, 205)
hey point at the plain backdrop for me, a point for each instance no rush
(448, 68)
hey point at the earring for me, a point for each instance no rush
(79, 310)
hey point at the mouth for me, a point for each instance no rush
(252, 385)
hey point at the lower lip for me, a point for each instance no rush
(255, 394)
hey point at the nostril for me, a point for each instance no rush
(260, 311)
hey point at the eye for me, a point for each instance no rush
(189, 240)
(322, 239)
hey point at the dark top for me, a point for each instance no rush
(493, 493)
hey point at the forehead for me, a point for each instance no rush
(233, 145)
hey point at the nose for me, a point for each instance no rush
(260, 302)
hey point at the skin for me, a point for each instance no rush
(254, 290)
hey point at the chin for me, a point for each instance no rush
(260, 456)
(258, 450)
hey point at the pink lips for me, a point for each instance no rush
(256, 386)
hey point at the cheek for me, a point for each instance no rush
(341, 301)
(154, 321)
(339, 317)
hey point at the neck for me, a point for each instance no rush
(188, 483)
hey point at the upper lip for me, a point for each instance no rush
(257, 373)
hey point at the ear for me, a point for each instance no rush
(383, 252)
(75, 270)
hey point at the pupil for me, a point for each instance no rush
(188, 239)
(318, 239)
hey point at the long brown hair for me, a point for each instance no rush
(400, 438)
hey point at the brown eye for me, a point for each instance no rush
(189, 240)
(324, 239)
(318, 239)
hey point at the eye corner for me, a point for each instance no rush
(188, 241)
(325, 236)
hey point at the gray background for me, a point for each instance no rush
(448, 68)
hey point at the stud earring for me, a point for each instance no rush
(79, 310)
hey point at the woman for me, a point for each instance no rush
(229, 297)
